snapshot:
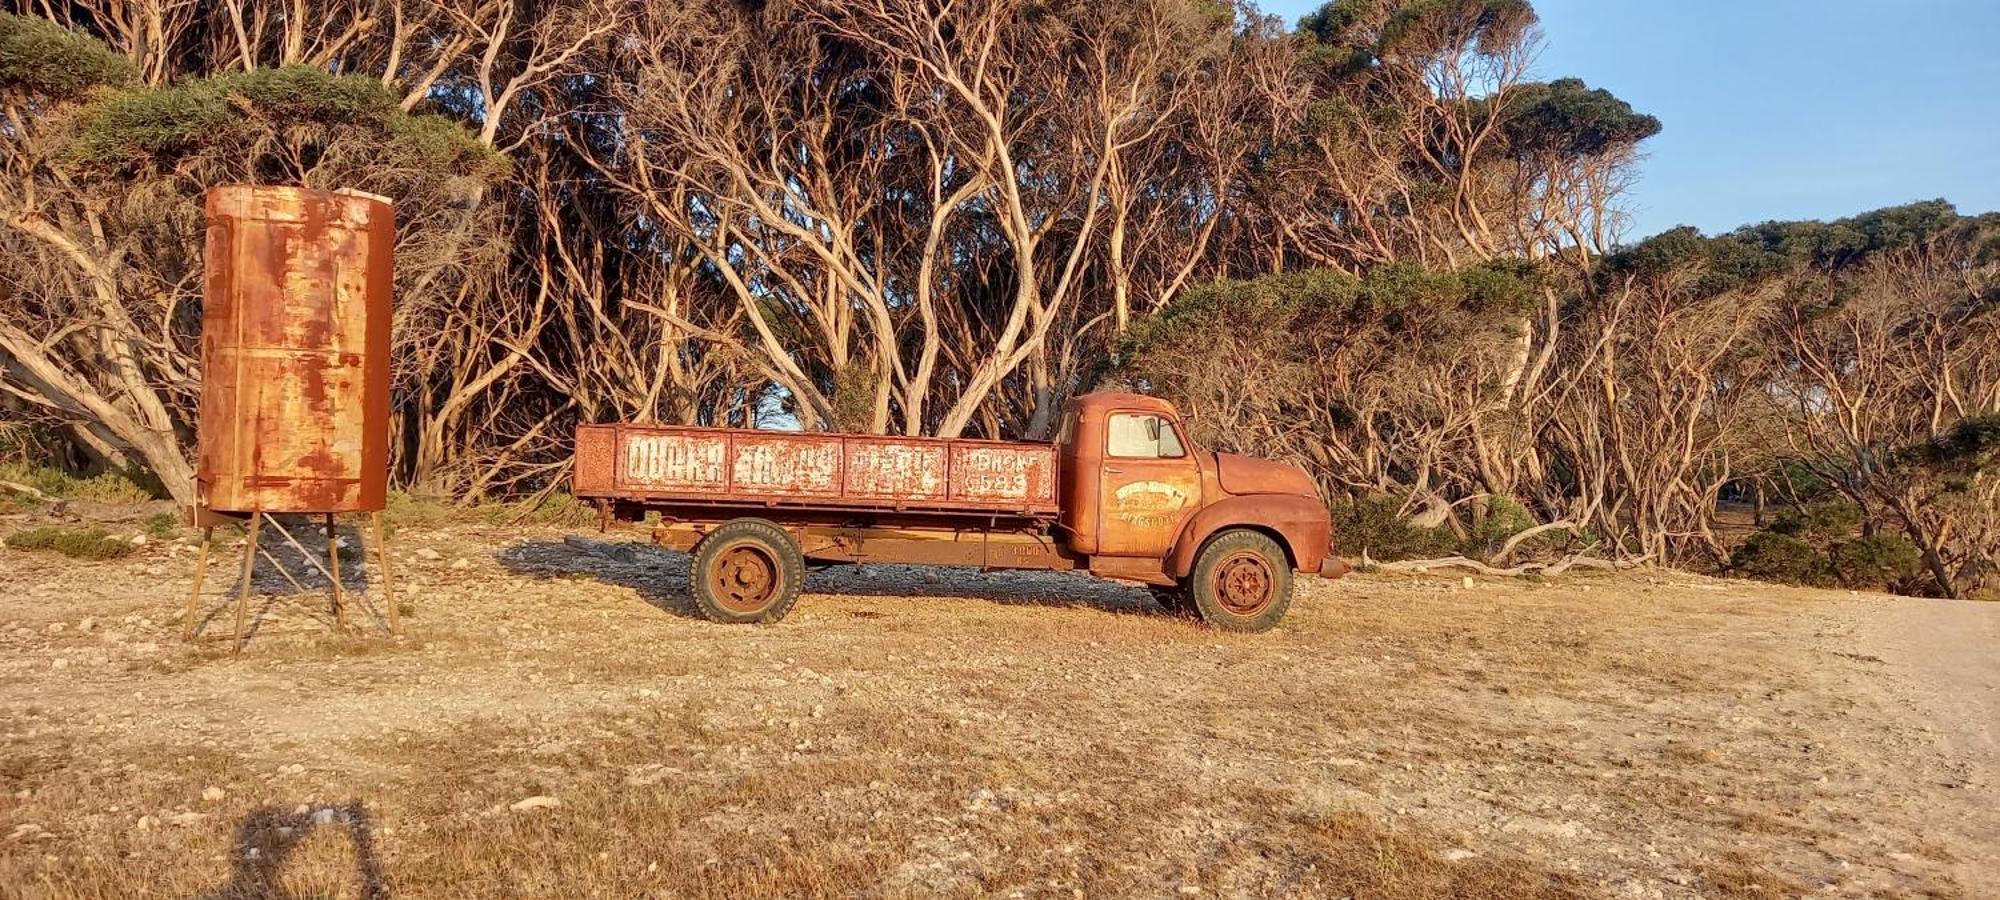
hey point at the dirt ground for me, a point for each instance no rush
(556, 723)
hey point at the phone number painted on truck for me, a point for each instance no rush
(711, 464)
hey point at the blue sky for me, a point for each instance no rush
(1789, 109)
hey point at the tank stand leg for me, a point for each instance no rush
(200, 572)
(333, 572)
(249, 569)
(388, 584)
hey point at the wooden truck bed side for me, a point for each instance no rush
(677, 465)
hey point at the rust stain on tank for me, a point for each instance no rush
(295, 350)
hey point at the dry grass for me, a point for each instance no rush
(802, 825)
(940, 734)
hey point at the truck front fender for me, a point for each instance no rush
(1298, 523)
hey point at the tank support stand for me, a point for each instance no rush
(191, 627)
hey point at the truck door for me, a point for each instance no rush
(1150, 483)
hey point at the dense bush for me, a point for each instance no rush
(1822, 546)
(1375, 526)
(1774, 556)
(1882, 561)
(81, 543)
(108, 487)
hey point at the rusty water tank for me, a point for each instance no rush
(295, 351)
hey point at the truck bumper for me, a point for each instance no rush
(1334, 567)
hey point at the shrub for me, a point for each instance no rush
(109, 488)
(555, 509)
(163, 524)
(1375, 525)
(81, 543)
(1501, 519)
(1821, 546)
(1779, 557)
(1822, 524)
(404, 508)
(1880, 561)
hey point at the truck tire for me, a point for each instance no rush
(747, 571)
(1241, 582)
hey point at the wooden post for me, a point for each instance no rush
(200, 572)
(333, 572)
(249, 569)
(388, 585)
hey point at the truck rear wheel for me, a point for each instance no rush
(748, 570)
(1241, 582)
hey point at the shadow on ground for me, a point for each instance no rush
(290, 574)
(267, 838)
(661, 578)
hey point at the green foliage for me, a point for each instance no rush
(1820, 525)
(557, 509)
(1375, 525)
(1818, 546)
(1832, 245)
(1708, 266)
(1772, 556)
(80, 543)
(1424, 27)
(1569, 118)
(1756, 253)
(163, 525)
(1880, 561)
(39, 58)
(403, 508)
(1972, 447)
(151, 129)
(1421, 306)
(110, 487)
(1500, 519)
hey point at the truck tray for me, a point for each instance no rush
(732, 466)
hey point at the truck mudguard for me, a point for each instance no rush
(1299, 523)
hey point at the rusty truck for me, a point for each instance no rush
(1120, 492)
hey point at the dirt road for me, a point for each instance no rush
(557, 724)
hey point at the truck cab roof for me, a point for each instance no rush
(1103, 400)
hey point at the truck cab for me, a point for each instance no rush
(1143, 502)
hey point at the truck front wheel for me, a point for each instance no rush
(1241, 582)
(748, 570)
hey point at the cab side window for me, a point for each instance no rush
(1141, 436)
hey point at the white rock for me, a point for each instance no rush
(1457, 854)
(539, 801)
(461, 563)
(427, 553)
(213, 793)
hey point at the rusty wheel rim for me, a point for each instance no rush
(1244, 584)
(744, 578)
